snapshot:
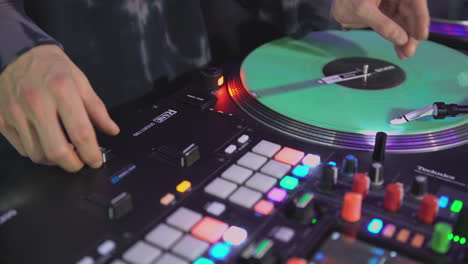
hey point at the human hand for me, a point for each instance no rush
(42, 89)
(403, 22)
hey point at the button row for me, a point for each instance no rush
(376, 227)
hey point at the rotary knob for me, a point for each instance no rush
(419, 186)
(393, 197)
(329, 177)
(350, 165)
(428, 209)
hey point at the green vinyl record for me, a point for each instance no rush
(435, 74)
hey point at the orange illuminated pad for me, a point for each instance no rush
(403, 235)
(167, 199)
(209, 229)
(264, 207)
(418, 241)
(289, 156)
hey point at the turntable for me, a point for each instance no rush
(282, 84)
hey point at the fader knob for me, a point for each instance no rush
(376, 174)
(302, 208)
(428, 209)
(419, 186)
(393, 197)
(440, 242)
(351, 211)
(329, 177)
(350, 165)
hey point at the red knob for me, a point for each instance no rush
(296, 261)
(351, 211)
(428, 209)
(393, 197)
(361, 184)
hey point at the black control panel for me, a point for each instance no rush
(191, 179)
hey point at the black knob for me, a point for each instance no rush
(350, 165)
(302, 208)
(212, 78)
(379, 147)
(329, 177)
(419, 186)
(376, 174)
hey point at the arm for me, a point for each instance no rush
(18, 33)
(294, 16)
(47, 105)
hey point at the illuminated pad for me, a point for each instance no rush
(375, 226)
(235, 235)
(301, 171)
(264, 207)
(277, 195)
(289, 156)
(184, 186)
(209, 229)
(289, 183)
(311, 160)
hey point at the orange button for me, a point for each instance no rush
(351, 211)
(403, 235)
(417, 241)
(183, 186)
(264, 207)
(209, 229)
(296, 261)
(167, 199)
(289, 156)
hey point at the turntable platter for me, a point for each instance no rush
(277, 85)
(436, 73)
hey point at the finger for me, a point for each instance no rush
(75, 120)
(410, 49)
(95, 107)
(57, 149)
(38, 156)
(399, 51)
(18, 120)
(12, 136)
(421, 19)
(382, 24)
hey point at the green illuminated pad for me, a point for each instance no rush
(436, 73)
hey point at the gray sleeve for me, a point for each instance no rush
(294, 16)
(18, 33)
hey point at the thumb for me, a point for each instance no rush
(383, 25)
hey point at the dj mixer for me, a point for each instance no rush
(233, 169)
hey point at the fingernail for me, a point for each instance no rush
(116, 128)
(412, 51)
(96, 165)
(401, 38)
